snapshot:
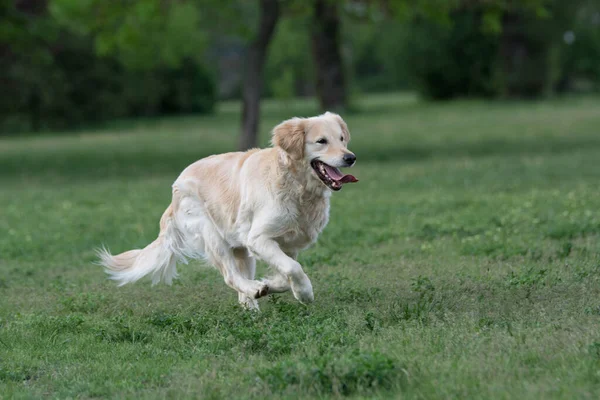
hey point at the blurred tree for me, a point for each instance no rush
(375, 55)
(26, 59)
(326, 49)
(529, 45)
(375, 35)
(491, 47)
(141, 34)
(253, 76)
(331, 80)
(67, 62)
(287, 73)
(63, 67)
(580, 50)
(450, 60)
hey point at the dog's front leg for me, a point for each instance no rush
(269, 251)
(278, 283)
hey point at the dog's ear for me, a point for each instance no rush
(289, 135)
(342, 123)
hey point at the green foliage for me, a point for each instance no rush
(452, 60)
(289, 68)
(56, 77)
(189, 89)
(501, 49)
(580, 53)
(377, 55)
(141, 34)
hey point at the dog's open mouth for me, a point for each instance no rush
(331, 176)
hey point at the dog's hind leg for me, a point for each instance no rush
(234, 279)
(203, 238)
(222, 256)
(246, 265)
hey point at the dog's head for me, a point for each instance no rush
(322, 143)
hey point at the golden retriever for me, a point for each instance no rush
(232, 208)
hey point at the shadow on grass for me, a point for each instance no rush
(92, 164)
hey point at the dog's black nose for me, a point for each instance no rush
(349, 159)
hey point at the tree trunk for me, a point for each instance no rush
(253, 76)
(524, 58)
(326, 49)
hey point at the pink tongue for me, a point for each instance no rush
(335, 173)
(348, 179)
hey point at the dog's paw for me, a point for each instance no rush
(305, 297)
(263, 291)
(255, 289)
(303, 291)
(259, 289)
(277, 284)
(248, 303)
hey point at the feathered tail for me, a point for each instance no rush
(159, 258)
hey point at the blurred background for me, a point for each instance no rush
(69, 64)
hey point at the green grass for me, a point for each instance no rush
(465, 264)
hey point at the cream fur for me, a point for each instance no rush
(232, 208)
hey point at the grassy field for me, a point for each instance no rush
(465, 264)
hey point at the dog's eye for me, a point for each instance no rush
(342, 138)
(322, 141)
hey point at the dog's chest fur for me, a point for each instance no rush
(307, 214)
